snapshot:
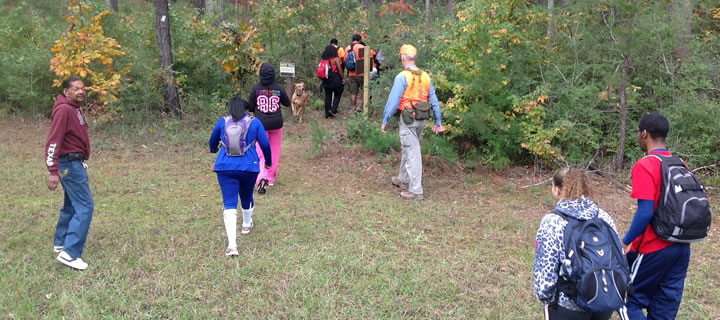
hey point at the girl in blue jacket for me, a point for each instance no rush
(237, 173)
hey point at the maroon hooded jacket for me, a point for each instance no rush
(68, 133)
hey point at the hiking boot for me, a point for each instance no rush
(411, 196)
(77, 263)
(231, 252)
(398, 183)
(262, 185)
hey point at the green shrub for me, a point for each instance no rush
(439, 146)
(318, 104)
(358, 128)
(381, 142)
(318, 138)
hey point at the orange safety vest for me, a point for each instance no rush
(418, 87)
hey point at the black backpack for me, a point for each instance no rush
(595, 273)
(683, 212)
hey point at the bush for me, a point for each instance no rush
(318, 138)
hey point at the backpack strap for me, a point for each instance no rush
(248, 120)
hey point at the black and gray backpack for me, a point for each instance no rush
(683, 211)
(235, 134)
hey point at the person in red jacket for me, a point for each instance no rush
(67, 146)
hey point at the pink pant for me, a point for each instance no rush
(275, 139)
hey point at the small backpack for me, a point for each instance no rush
(595, 272)
(350, 59)
(323, 69)
(683, 212)
(235, 134)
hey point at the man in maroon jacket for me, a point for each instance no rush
(66, 148)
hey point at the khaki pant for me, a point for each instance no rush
(411, 161)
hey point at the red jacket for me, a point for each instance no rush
(68, 133)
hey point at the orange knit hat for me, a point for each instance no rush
(408, 50)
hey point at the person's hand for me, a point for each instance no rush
(438, 128)
(52, 182)
(626, 247)
(383, 128)
(268, 166)
(343, 81)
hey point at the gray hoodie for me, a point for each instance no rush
(550, 247)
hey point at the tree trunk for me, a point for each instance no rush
(427, 12)
(221, 9)
(364, 4)
(451, 7)
(619, 161)
(112, 4)
(550, 7)
(200, 6)
(162, 32)
(681, 16)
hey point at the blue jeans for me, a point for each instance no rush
(75, 215)
(234, 183)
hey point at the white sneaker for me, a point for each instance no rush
(76, 263)
(246, 230)
(57, 249)
(231, 252)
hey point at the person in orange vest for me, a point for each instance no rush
(411, 89)
(355, 76)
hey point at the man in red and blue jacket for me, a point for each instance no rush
(67, 146)
(658, 267)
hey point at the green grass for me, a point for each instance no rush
(332, 238)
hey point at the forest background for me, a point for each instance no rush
(520, 82)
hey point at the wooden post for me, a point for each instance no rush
(289, 86)
(366, 80)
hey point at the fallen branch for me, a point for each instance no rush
(610, 178)
(705, 167)
(537, 184)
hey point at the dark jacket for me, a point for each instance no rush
(265, 99)
(68, 133)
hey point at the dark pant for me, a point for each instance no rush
(566, 314)
(658, 282)
(234, 183)
(77, 211)
(332, 100)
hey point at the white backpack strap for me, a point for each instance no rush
(247, 129)
(227, 120)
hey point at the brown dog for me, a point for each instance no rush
(299, 100)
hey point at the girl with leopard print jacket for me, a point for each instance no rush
(571, 187)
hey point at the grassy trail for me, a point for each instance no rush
(332, 239)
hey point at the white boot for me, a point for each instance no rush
(230, 219)
(247, 220)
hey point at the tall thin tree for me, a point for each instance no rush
(451, 7)
(162, 32)
(427, 12)
(112, 4)
(682, 17)
(620, 159)
(200, 6)
(550, 8)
